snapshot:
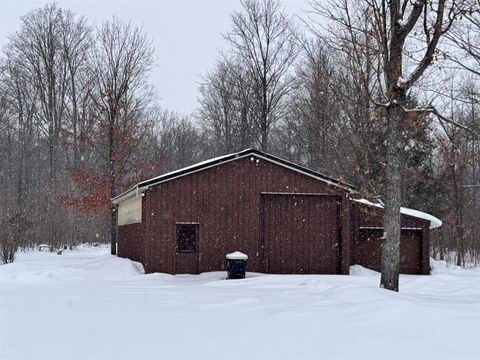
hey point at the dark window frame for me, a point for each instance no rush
(179, 242)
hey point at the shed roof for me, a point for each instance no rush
(142, 186)
(434, 221)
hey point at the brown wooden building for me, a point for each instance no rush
(288, 219)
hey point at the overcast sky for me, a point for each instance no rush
(187, 36)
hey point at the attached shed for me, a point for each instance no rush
(287, 218)
(367, 226)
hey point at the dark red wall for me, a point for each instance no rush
(234, 212)
(367, 227)
(226, 202)
(130, 242)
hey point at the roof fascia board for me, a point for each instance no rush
(132, 192)
(304, 169)
(306, 172)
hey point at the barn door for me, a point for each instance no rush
(301, 233)
(411, 252)
(368, 250)
(186, 259)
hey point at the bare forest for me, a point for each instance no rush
(384, 95)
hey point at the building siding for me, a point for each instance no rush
(130, 242)
(226, 202)
(367, 222)
(247, 206)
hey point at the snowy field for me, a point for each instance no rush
(86, 304)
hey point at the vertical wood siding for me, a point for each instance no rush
(130, 242)
(236, 211)
(369, 253)
(367, 223)
(302, 233)
(226, 202)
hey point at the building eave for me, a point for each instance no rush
(204, 165)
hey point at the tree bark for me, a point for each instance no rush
(458, 207)
(112, 179)
(393, 197)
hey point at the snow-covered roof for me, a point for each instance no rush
(142, 186)
(434, 222)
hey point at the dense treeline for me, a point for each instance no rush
(79, 122)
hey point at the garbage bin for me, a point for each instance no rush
(236, 265)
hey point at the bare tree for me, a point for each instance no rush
(122, 60)
(460, 167)
(263, 40)
(37, 47)
(20, 105)
(226, 108)
(399, 39)
(178, 142)
(42, 69)
(313, 115)
(64, 95)
(466, 38)
(77, 42)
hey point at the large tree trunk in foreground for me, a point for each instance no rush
(393, 198)
(383, 35)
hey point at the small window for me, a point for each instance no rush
(187, 237)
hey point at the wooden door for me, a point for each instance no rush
(368, 250)
(301, 233)
(411, 252)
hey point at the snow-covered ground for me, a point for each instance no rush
(86, 304)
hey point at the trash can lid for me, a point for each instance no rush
(237, 255)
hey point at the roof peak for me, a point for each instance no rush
(230, 157)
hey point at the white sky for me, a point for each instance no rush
(187, 36)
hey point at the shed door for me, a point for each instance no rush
(368, 250)
(301, 234)
(411, 252)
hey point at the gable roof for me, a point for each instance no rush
(142, 186)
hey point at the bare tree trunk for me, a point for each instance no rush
(113, 231)
(122, 61)
(263, 38)
(378, 34)
(113, 218)
(393, 197)
(264, 130)
(459, 236)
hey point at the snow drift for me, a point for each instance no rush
(87, 304)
